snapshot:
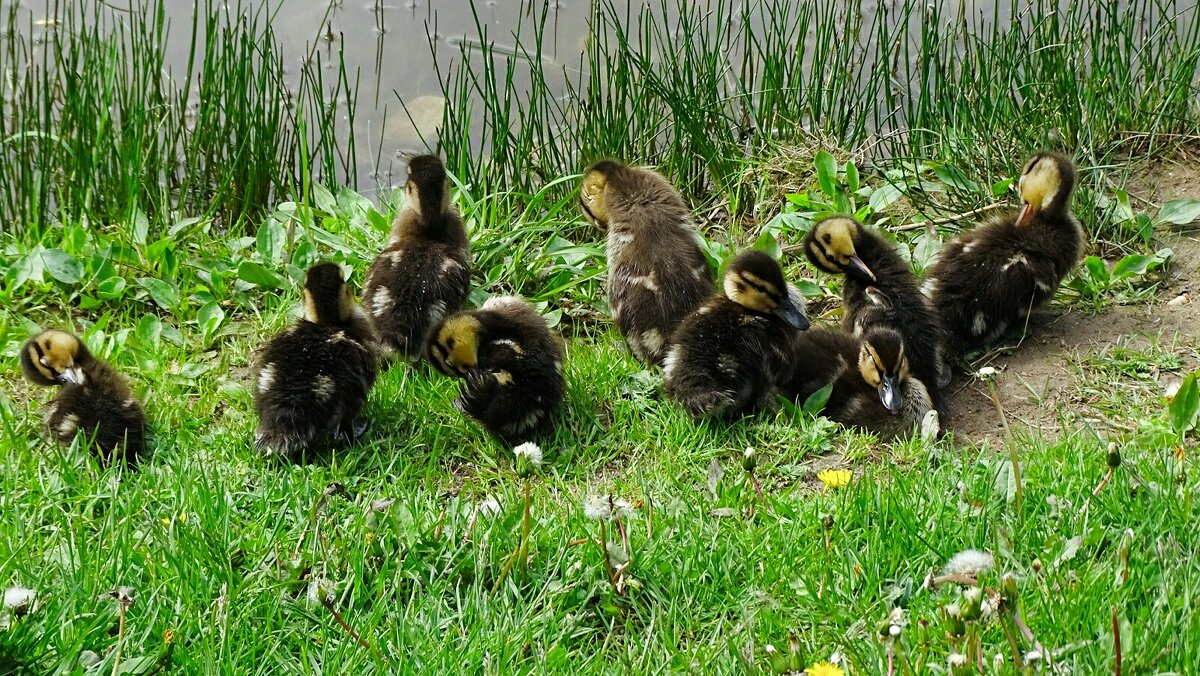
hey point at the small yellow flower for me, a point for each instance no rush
(825, 668)
(169, 636)
(835, 478)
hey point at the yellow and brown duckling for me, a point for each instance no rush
(987, 280)
(730, 354)
(424, 273)
(873, 387)
(657, 273)
(880, 290)
(312, 380)
(510, 363)
(94, 398)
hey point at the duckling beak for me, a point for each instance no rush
(72, 374)
(889, 394)
(1026, 215)
(788, 312)
(861, 268)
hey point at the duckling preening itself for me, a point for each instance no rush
(873, 387)
(880, 290)
(657, 273)
(94, 398)
(731, 353)
(424, 272)
(312, 380)
(989, 279)
(510, 363)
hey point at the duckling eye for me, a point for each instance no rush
(450, 343)
(828, 238)
(741, 288)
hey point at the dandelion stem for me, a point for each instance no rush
(1116, 627)
(1012, 450)
(1104, 482)
(1030, 637)
(524, 545)
(120, 637)
(1012, 643)
(361, 641)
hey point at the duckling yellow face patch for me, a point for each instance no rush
(832, 245)
(53, 354)
(1039, 183)
(455, 351)
(751, 291)
(591, 198)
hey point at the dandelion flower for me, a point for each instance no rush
(825, 669)
(972, 562)
(531, 452)
(985, 372)
(321, 591)
(749, 460)
(489, 506)
(835, 478)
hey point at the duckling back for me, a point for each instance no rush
(987, 280)
(657, 273)
(94, 398)
(311, 380)
(512, 380)
(424, 272)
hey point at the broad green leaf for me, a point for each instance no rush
(323, 199)
(1001, 187)
(186, 227)
(209, 318)
(270, 238)
(925, 247)
(1096, 268)
(851, 177)
(954, 177)
(256, 274)
(111, 288)
(1179, 212)
(1134, 265)
(164, 294)
(884, 196)
(139, 225)
(767, 243)
(62, 266)
(817, 400)
(26, 268)
(809, 288)
(826, 172)
(149, 331)
(1185, 406)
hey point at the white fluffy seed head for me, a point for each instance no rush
(971, 562)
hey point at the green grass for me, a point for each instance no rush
(221, 548)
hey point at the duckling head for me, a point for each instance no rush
(591, 191)
(327, 299)
(455, 346)
(755, 282)
(1046, 184)
(427, 191)
(883, 365)
(55, 358)
(830, 247)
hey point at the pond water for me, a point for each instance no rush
(393, 46)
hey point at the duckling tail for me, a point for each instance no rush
(285, 441)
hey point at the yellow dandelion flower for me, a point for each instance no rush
(825, 668)
(835, 478)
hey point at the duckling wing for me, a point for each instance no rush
(115, 427)
(411, 290)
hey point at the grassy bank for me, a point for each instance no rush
(391, 556)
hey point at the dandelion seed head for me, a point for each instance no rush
(956, 660)
(596, 508)
(531, 452)
(18, 597)
(972, 562)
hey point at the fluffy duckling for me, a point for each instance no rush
(879, 290)
(94, 398)
(510, 362)
(312, 380)
(873, 387)
(424, 273)
(728, 356)
(988, 279)
(657, 273)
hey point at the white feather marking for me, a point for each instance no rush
(266, 378)
(68, 425)
(1017, 259)
(503, 377)
(647, 281)
(324, 387)
(450, 264)
(979, 325)
(672, 360)
(510, 344)
(381, 302)
(969, 246)
(1042, 286)
(652, 341)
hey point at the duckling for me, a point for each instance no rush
(657, 273)
(989, 279)
(424, 272)
(880, 290)
(312, 380)
(95, 399)
(510, 362)
(728, 356)
(873, 387)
